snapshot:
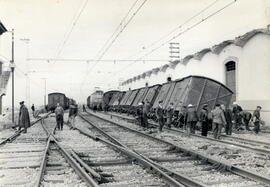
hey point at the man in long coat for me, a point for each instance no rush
(24, 119)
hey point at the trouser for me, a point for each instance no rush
(59, 121)
(145, 121)
(161, 123)
(204, 128)
(246, 124)
(169, 122)
(217, 130)
(191, 127)
(238, 121)
(256, 126)
(72, 121)
(228, 128)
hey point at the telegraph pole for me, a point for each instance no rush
(12, 66)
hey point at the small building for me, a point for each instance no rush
(4, 75)
(243, 64)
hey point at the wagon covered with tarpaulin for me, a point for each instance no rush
(195, 90)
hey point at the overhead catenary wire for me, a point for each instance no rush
(68, 33)
(176, 28)
(177, 35)
(114, 39)
(118, 27)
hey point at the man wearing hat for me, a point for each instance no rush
(160, 116)
(192, 119)
(203, 118)
(24, 119)
(256, 117)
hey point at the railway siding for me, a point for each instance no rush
(204, 156)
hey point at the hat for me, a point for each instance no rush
(22, 102)
(139, 104)
(190, 105)
(234, 103)
(259, 107)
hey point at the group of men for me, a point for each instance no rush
(24, 118)
(59, 115)
(188, 118)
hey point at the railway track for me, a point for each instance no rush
(186, 164)
(109, 164)
(36, 159)
(252, 145)
(20, 156)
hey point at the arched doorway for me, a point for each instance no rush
(231, 78)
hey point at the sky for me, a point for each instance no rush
(79, 29)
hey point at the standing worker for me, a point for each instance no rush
(183, 117)
(203, 118)
(146, 109)
(228, 117)
(256, 117)
(159, 115)
(59, 113)
(24, 119)
(33, 109)
(218, 121)
(139, 113)
(192, 119)
(73, 111)
(84, 109)
(169, 115)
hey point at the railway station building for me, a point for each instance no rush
(4, 73)
(242, 64)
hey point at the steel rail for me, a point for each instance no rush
(78, 169)
(227, 166)
(144, 160)
(73, 162)
(134, 156)
(254, 149)
(43, 164)
(18, 133)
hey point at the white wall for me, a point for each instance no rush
(252, 72)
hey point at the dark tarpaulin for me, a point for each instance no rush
(140, 96)
(195, 90)
(131, 97)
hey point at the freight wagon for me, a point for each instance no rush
(56, 97)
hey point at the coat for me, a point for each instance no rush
(146, 108)
(24, 119)
(170, 112)
(159, 112)
(218, 116)
(228, 115)
(73, 111)
(192, 115)
(59, 111)
(203, 115)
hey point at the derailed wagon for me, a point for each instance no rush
(195, 90)
(107, 97)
